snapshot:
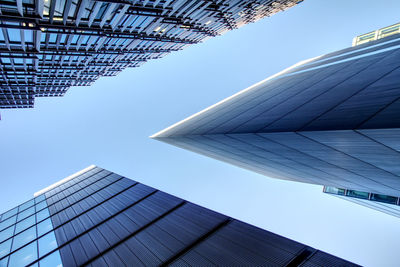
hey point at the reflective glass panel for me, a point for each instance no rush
(24, 256)
(26, 213)
(41, 206)
(43, 214)
(26, 223)
(357, 194)
(6, 233)
(9, 213)
(26, 205)
(24, 237)
(47, 243)
(384, 198)
(53, 260)
(44, 227)
(334, 190)
(40, 198)
(5, 247)
(7, 222)
(3, 262)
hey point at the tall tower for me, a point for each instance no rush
(99, 218)
(47, 46)
(333, 120)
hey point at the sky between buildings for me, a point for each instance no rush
(108, 124)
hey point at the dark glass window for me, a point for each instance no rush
(357, 194)
(384, 198)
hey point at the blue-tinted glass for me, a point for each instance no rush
(40, 198)
(47, 243)
(357, 194)
(6, 233)
(23, 256)
(26, 205)
(26, 213)
(41, 206)
(22, 225)
(24, 237)
(9, 213)
(384, 198)
(5, 247)
(43, 214)
(7, 222)
(53, 260)
(44, 227)
(3, 262)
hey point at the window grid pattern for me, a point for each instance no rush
(48, 46)
(26, 233)
(102, 219)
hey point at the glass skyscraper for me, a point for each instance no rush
(333, 120)
(99, 218)
(46, 46)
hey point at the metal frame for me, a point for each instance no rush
(46, 46)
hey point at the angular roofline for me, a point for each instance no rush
(164, 133)
(44, 190)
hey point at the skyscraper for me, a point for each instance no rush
(46, 46)
(98, 218)
(333, 120)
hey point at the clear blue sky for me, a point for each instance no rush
(108, 124)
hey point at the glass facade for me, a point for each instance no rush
(46, 46)
(26, 233)
(99, 218)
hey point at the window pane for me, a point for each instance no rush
(8, 222)
(384, 198)
(24, 237)
(3, 262)
(26, 205)
(9, 213)
(357, 194)
(40, 198)
(24, 256)
(41, 206)
(22, 225)
(53, 260)
(47, 243)
(44, 227)
(42, 215)
(6, 233)
(26, 213)
(5, 247)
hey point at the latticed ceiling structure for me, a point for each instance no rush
(47, 46)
